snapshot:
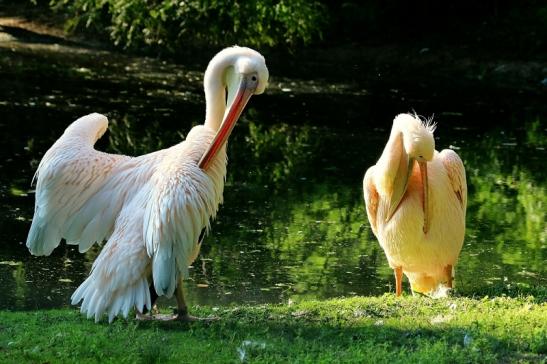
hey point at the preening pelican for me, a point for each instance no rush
(415, 200)
(153, 209)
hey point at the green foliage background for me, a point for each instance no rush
(175, 23)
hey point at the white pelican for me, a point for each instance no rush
(417, 210)
(152, 209)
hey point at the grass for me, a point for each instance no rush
(362, 329)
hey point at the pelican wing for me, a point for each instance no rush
(69, 175)
(182, 199)
(119, 276)
(371, 198)
(456, 174)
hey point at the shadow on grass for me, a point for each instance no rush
(279, 338)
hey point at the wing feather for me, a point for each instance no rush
(173, 220)
(456, 174)
(80, 191)
(94, 221)
(70, 173)
(371, 199)
(119, 276)
(182, 201)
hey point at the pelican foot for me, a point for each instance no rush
(189, 318)
(159, 317)
(174, 317)
(145, 316)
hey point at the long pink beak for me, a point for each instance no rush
(236, 108)
(425, 195)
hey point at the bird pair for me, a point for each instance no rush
(153, 209)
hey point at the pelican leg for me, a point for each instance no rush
(180, 314)
(149, 314)
(182, 308)
(398, 281)
(153, 298)
(449, 278)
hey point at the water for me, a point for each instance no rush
(293, 225)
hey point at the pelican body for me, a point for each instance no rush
(415, 200)
(152, 209)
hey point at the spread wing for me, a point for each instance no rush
(456, 174)
(70, 173)
(371, 198)
(95, 220)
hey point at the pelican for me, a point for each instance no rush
(415, 200)
(152, 210)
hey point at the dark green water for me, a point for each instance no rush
(293, 223)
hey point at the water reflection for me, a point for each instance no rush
(293, 224)
(507, 210)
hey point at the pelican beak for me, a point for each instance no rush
(400, 184)
(244, 92)
(425, 192)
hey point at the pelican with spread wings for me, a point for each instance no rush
(151, 210)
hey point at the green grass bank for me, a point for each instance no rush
(362, 329)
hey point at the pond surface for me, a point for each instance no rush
(293, 224)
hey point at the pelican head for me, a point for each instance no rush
(418, 140)
(240, 72)
(418, 145)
